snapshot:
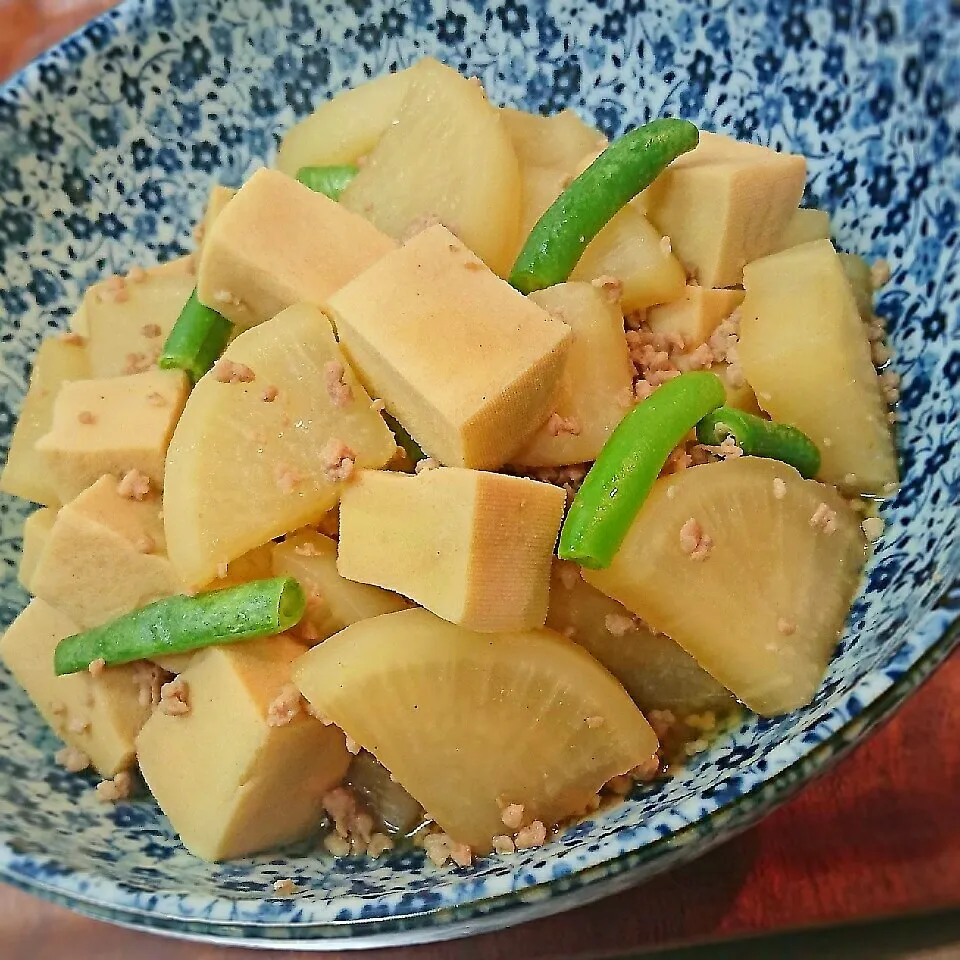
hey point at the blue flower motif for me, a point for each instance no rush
(45, 140)
(8, 112)
(130, 91)
(609, 117)
(16, 227)
(881, 102)
(513, 17)
(76, 186)
(795, 30)
(701, 71)
(73, 50)
(300, 18)
(261, 102)
(144, 226)
(767, 65)
(315, 67)
(230, 134)
(663, 52)
(926, 259)
(717, 34)
(299, 97)
(392, 23)
(205, 156)
(152, 195)
(110, 225)
(51, 76)
(898, 216)
(614, 25)
(168, 160)
(191, 118)
(421, 11)
(881, 185)
(547, 31)
(828, 114)
(11, 298)
(886, 26)
(834, 60)
(450, 28)
(221, 39)
(368, 36)
(44, 286)
(79, 225)
(100, 33)
(103, 132)
(538, 89)
(10, 179)
(683, 27)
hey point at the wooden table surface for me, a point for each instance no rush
(879, 835)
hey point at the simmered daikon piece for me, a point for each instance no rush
(805, 352)
(750, 568)
(265, 443)
(446, 158)
(470, 723)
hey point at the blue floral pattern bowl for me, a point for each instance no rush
(108, 146)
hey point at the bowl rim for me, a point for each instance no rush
(543, 899)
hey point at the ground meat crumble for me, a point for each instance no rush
(175, 698)
(285, 706)
(72, 759)
(340, 392)
(134, 485)
(226, 371)
(337, 460)
(694, 541)
(110, 791)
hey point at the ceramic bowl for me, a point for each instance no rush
(108, 146)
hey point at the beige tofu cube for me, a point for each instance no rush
(725, 204)
(127, 330)
(25, 473)
(804, 226)
(99, 715)
(694, 317)
(596, 386)
(219, 197)
(474, 548)
(333, 602)
(36, 528)
(231, 776)
(112, 426)
(467, 365)
(104, 556)
(277, 243)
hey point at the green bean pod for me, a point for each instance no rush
(629, 165)
(330, 181)
(196, 341)
(629, 463)
(181, 624)
(761, 438)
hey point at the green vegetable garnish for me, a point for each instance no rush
(331, 181)
(761, 438)
(627, 166)
(404, 440)
(629, 463)
(196, 341)
(180, 624)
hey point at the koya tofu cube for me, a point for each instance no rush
(694, 317)
(596, 389)
(35, 530)
(467, 365)
(25, 474)
(333, 602)
(725, 204)
(104, 556)
(474, 548)
(277, 243)
(128, 321)
(219, 197)
(112, 426)
(244, 768)
(98, 715)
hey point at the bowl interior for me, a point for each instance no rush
(108, 146)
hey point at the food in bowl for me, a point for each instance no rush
(444, 492)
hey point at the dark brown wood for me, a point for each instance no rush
(878, 835)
